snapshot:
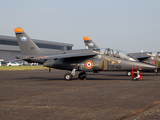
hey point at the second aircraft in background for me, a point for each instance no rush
(146, 57)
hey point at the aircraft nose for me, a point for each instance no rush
(145, 66)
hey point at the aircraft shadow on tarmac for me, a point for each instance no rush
(90, 77)
(106, 77)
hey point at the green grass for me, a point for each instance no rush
(3, 68)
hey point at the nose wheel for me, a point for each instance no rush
(136, 75)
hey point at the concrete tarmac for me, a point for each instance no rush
(40, 95)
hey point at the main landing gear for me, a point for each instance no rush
(156, 71)
(82, 75)
(69, 76)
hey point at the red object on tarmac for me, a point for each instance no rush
(140, 76)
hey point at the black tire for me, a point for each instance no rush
(82, 75)
(156, 70)
(68, 76)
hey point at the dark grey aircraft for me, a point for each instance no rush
(146, 57)
(149, 57)
(85, 60)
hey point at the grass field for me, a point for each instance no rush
(2, 68)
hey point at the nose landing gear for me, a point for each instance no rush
(136, 75)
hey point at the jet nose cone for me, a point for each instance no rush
(145, 66)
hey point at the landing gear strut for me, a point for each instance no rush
(82, 75)
(137, 74)
(69, 76)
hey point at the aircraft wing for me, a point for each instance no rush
(67, 55)
(140, 55)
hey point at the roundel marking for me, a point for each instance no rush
(24, 38)
(91, 44)
(89, 64)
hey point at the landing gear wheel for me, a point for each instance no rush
(68, 76)
(135, 77)
(156, 71)
(82, 75)
(128, 73)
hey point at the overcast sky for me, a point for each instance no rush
(128, 25)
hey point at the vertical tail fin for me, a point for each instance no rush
(26, 45)
(89, 43)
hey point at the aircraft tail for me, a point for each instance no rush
(26, 45)
(89, 43)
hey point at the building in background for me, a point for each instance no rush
(9, 47)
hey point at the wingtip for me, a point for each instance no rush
(18, 30)
(86, 38)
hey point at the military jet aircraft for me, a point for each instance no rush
(149, 57)
(85, 60)
(146, 57)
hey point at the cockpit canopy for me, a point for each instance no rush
(115, 53)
